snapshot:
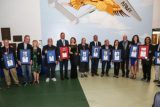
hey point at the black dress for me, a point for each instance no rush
(83, 66)
(73, 60)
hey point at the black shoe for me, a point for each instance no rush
(127, 76)
(148, 80)
(96, 74)
(143, 79)
(155, 81)
(123, 75)
(92, 75)
(117, 77)
(25, 84)
(82, 75)
(107, 74)
(102, 75)
(18, 85)
(114, 76)
(62, 78)
(66, 78)
(85, 75)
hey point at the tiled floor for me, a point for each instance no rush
(118, 92)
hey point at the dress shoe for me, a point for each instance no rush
(96, 74)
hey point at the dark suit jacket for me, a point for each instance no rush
(21, 46)
(125, 52)
(11, 50)
(60, 44)
(39, 56)
(93, 44)
(104, 47)
(47, 48)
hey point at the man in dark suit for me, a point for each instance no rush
(25, 67)
(95, 61)
(106, 46)
(63, 62)
(125, 46)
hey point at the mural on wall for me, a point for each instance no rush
(112, 7)
(109, 19)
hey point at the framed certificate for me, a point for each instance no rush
(143, 51)
(106, 54)
(157, 58)
(134, 51)
(25, 56)
(64, 52)
(95, 51)
(51, 56)
(9, 61)
(116, 55)
(84, 55)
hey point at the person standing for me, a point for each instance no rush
(147, 62)
(134, 61)
(50, 66)
(6, 50)
(73, 50)
(95, 61)
(157, 67)
(25, 67)
(63, 62)
(37, 61)
(83, 66)
(116, 64)
(106, 64)
(125, 46)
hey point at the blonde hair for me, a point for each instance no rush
(35, 41)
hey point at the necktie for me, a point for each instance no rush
(63, 42)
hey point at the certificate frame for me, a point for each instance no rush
(108, 54)
(157, 58)
(23, 54)
(9, 57)
(81, 55)
(132, 55)
(64, 51)
(141, 49)
(49, 54)
(95, 48)
(113, 56)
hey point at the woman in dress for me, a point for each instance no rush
(73, 50)
(37, 60)
(83, 66)
(134, 61)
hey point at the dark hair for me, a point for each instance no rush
(74, 39)
(116, 41)
(147, 38)
(133, 42)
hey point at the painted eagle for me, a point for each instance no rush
(109, 6)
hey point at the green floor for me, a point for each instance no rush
(67, 93)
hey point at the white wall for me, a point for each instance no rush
(22, 16)
(156, 14)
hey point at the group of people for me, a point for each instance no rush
(73, 52)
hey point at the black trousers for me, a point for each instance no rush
(64, 63)
(51, 71)
(116, 68)
(125, 67)
(146, 66)
(94, 65)
(73, 60)
(106, 65)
